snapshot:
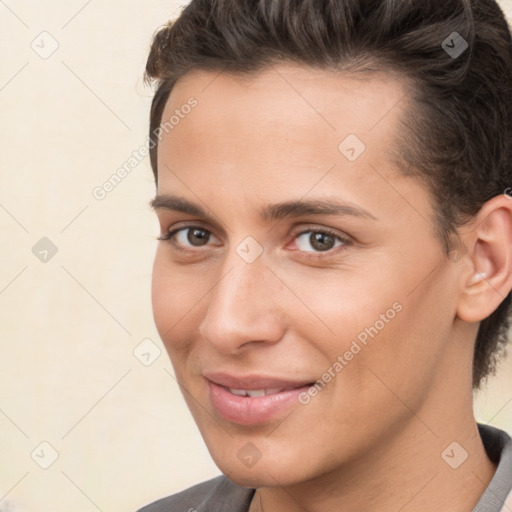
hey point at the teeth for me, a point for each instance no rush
(273, 391)
(238, 392)
(255, 392)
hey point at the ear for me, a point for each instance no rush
(487, 280)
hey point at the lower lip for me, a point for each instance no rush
(246, 410)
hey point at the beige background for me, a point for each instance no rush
(68, 374)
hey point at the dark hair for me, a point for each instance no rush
(457, 130)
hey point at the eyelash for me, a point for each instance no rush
(307, 255)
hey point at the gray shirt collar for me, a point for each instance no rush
(498, 446)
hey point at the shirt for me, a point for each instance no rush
(221, 495)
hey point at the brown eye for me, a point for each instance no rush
(197, 236)
(189, 236)
(319, 241)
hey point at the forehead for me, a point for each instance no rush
(280, 131)
(312, 90)
(283, 115)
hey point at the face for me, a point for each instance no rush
(302, 296)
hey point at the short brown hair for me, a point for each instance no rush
(457, 134)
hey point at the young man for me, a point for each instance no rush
(335, 265)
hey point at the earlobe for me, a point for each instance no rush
(489, 245)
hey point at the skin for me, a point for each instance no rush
(372, 439)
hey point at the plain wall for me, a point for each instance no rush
(69, 326)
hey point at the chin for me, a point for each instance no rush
(253, 479)
(268, 473)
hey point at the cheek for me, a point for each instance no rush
(373, 325)
(174, 296)
(346, 305)
(401, 358)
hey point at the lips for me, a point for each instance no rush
(252, 400)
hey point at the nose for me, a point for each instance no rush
(243, 307)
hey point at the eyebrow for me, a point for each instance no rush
(271, 212)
